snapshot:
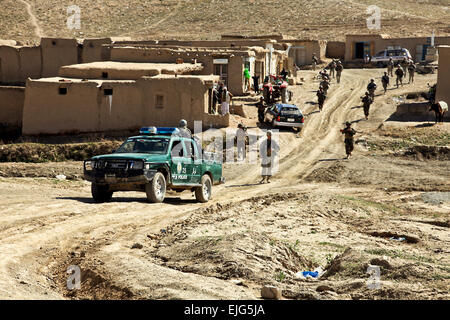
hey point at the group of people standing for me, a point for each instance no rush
(336, 68)
(222, 97)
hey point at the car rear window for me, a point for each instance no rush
(290, 111)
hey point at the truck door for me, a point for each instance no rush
(179, 165)
(196, 164)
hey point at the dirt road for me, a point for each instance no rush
(190, 250)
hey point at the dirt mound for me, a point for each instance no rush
(34, 152)
(332, 173)
(428, 153)
(249, 256)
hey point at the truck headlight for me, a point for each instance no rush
(89, 165)
(147, 166)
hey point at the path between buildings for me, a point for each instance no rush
(42, 223)
(34, 21)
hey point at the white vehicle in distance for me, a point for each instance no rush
(381, 59)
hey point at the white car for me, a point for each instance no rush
(382, 58)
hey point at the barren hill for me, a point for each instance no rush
(207, 19)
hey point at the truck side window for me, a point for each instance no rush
(177, 149)
(191, 149)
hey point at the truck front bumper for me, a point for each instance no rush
(119, 177)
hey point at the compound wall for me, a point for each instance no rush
(443, 81)
(11, 106)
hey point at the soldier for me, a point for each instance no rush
(261, 110)
(349, 132)
(367, 100)
(324, 74)
(371, 87)
(339, 68)
(385, 81)
(390, 67)
(332, 68)
(404, 64)
(184, 130)
(268, 151)
(411, 70)
(399, 73)
(321, 97)
(315, 61)
(325, 84)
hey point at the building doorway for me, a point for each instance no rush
(361, 49)
(221, 70)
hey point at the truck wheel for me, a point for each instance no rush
(203, 193)
(101, 193)
(156, 189)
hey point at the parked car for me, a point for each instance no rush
(285, 115)
(157, 160)
(382, 58)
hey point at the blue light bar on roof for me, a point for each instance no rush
(159, 130)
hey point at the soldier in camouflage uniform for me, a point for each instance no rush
(385, 81)
(321, 96)
(339, 68)
(411, 71)
(367, 101)
(325, 84)
(399, 73)
(390, 67)
(349, 132)
(371, 87)
(332, 68)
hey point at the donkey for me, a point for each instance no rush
(439, 109)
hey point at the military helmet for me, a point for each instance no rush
(348, 124)
(183, 123)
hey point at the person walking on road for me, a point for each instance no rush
(261, 110)
(371, 87)
(349, 132)
(385, 81)
(332, 68)
(339, 68)
(399, 73)
(321, 96)
(226, 99)
(411, 71)
(315, 61)
(390, 67)
(367, 101)
(268, 151)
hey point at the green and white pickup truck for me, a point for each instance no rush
(153, 162)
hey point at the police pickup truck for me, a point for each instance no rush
(157, 160)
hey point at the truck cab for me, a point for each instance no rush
(157, 160)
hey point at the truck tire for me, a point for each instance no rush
(156, 189)
(204, 193)
(101, 193)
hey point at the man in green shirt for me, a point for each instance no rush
(246, 79)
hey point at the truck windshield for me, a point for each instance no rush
(154, 145)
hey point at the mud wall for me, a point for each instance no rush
(378, 43)
(335, 50)
(443, 82)
(415, 112)
(96, 50)
(162, 55)
(57, 53)
(11, 106)
(133, 104)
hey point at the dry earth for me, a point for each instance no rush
(26, 20)
(319, 211)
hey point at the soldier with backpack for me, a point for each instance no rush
(399, 73)
(339, 68)
(385, 81)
